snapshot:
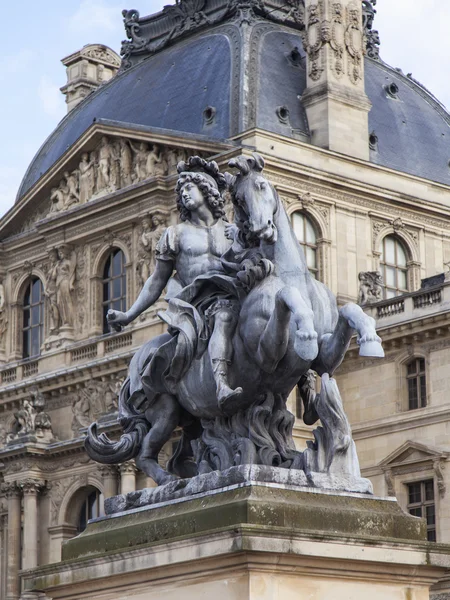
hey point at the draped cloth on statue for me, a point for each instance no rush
(157, 368)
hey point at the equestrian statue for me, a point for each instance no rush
(247, 323)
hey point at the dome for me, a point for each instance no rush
(217, 82)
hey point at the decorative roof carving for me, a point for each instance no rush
(148, 35)
(372, 35)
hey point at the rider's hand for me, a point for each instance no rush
(117, 319)
(231, 231)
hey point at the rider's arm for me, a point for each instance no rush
(152, 290)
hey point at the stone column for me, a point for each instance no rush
(14, 524)
(109, 475)
(335, 100)
(30, 489)
(127, 478)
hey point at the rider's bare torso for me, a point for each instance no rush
(198, 249)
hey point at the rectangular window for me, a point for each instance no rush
(421, 504)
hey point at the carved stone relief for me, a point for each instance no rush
(343, 32)
(372, 36)
(98, 398)
(114, 164)
(152, 228)
(31, 422)
(370, 287)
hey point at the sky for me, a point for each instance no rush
(414, 36)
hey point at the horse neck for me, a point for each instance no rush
(285, 253)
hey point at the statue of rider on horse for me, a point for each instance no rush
(246, 323)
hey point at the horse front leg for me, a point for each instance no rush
(333, 346)
(274, 340)
(164, 417)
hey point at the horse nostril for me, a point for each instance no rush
(269, 222)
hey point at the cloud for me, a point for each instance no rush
(52, 101)
(96, 15)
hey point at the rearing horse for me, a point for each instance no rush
(299, 310)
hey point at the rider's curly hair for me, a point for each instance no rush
(211, 194)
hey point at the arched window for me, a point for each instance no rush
(417, 384)
(114, 285)
(306, 235)
(33, 318)
(92, 508)
(393, 267)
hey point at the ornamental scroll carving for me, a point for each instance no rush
(114, 164)
(343, 32)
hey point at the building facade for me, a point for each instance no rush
(359, 155)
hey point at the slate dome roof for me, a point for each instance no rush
(172, 89)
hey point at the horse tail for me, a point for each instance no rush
(103, 450)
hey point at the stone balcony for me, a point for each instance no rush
(428, 302)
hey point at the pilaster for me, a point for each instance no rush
(12, 492)
(127, 478)
(30, 488)
(335, 101)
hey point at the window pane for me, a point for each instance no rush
(389, 248)
(35, 314)
(390, 276)
(412, 368)
(36, 291)
(430, 516)
(310, 233)
(27, 296)
(26, 317)
(402, 284)
(298, 224)
(431, 535)
(116, 288)
(412, 393)
(391, 293)
(429, 490)
(311, 257)
(422, 364)
(35, 341)
(26, 343)
(401, 256)
(423, 391)
(107, 271)
(106, 292)
(117, 263)
(414, 493)
(415, 512)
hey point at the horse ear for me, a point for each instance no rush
(230, 179)
(240, 163)
(258, 161)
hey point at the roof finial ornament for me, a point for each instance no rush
(372, 35)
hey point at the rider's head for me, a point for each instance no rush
(207, 186)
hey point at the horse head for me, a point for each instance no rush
(255, 199)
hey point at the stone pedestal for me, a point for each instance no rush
(252, 541)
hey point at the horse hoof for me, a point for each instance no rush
(372, 348)
(231, 403)
(306, 346)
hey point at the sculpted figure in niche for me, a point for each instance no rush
(65, 285)
(153, 160)
(193, 249)
(126, 163)
(106, 157)
(150, 238)
(370, 287)
(81, 409)
(50, 292)
(3, 316)
(172, 160)
(72, 195)
(58, 196)
(86, 170)
(140, 159)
